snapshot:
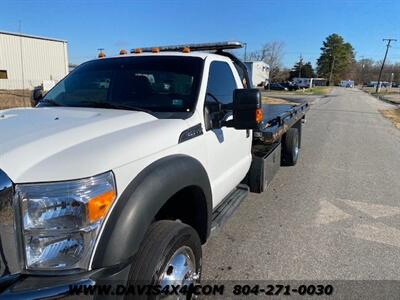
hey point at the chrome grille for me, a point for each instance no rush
(9, 254)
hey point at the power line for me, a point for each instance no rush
(383, 63)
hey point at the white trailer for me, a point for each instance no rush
(309, 82)
(258, 72)
(302, 82)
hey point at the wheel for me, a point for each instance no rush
(169, 255)
(290, 147)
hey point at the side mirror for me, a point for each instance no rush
(247, 109)
(37, 96)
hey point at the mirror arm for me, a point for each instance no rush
(229, 123)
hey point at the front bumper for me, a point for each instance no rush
(67, 286)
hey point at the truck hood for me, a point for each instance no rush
(60, 143)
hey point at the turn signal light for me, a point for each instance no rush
(259, 115)
(138, 51)
(186, 50)
(99, 205)
(155, 50)
(122, 52)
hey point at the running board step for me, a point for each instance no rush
(227, 207)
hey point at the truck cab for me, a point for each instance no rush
(123, 169)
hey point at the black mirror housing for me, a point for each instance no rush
(37, 95)
(247, 109)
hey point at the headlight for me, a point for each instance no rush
(61, 220)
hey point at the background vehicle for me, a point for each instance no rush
(347, 83)
(123, 181)
(291, 86)
(276, 87)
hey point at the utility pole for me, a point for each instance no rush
(300, 64)
(391, 80)
(378, 86)
(245, 51)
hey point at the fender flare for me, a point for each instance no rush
(138, 205)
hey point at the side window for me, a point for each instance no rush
(221, 82)
(3, 74)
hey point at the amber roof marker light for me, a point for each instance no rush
(123, 52)
(101, 53)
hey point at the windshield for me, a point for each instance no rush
(149, 83)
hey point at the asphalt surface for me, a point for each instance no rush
(334, 216)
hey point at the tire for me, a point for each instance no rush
(299, 127)
(290, 147)
(153, 260)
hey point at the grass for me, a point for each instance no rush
(388, 95)
(383, 91)
(269, 100)
(393, 115)
(318, 90)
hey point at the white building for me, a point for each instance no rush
(258, 72)
(27, 61)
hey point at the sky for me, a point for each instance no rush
(120, 24)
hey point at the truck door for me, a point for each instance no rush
(228, 149)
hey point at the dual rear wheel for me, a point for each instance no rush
(291, 146)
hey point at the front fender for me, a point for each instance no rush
(142, 199)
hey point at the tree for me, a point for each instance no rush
(336, 60)
(365, 71)
(271, 53)
(282, 75)
(302, 70)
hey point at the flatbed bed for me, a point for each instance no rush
(278, 118)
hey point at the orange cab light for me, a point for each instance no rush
(123, 52)
(259, 115)
(155, 50)
(138, 50)
(101, 54)
(186, 50)
(98, 206)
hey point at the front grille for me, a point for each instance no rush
(9, 254)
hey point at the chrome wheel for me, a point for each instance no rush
(180, 270)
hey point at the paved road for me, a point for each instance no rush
(336, 215)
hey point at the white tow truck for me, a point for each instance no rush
(124, 168)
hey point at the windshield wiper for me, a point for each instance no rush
(96, 104)
(49, 102)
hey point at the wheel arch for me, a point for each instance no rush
(144, 201)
